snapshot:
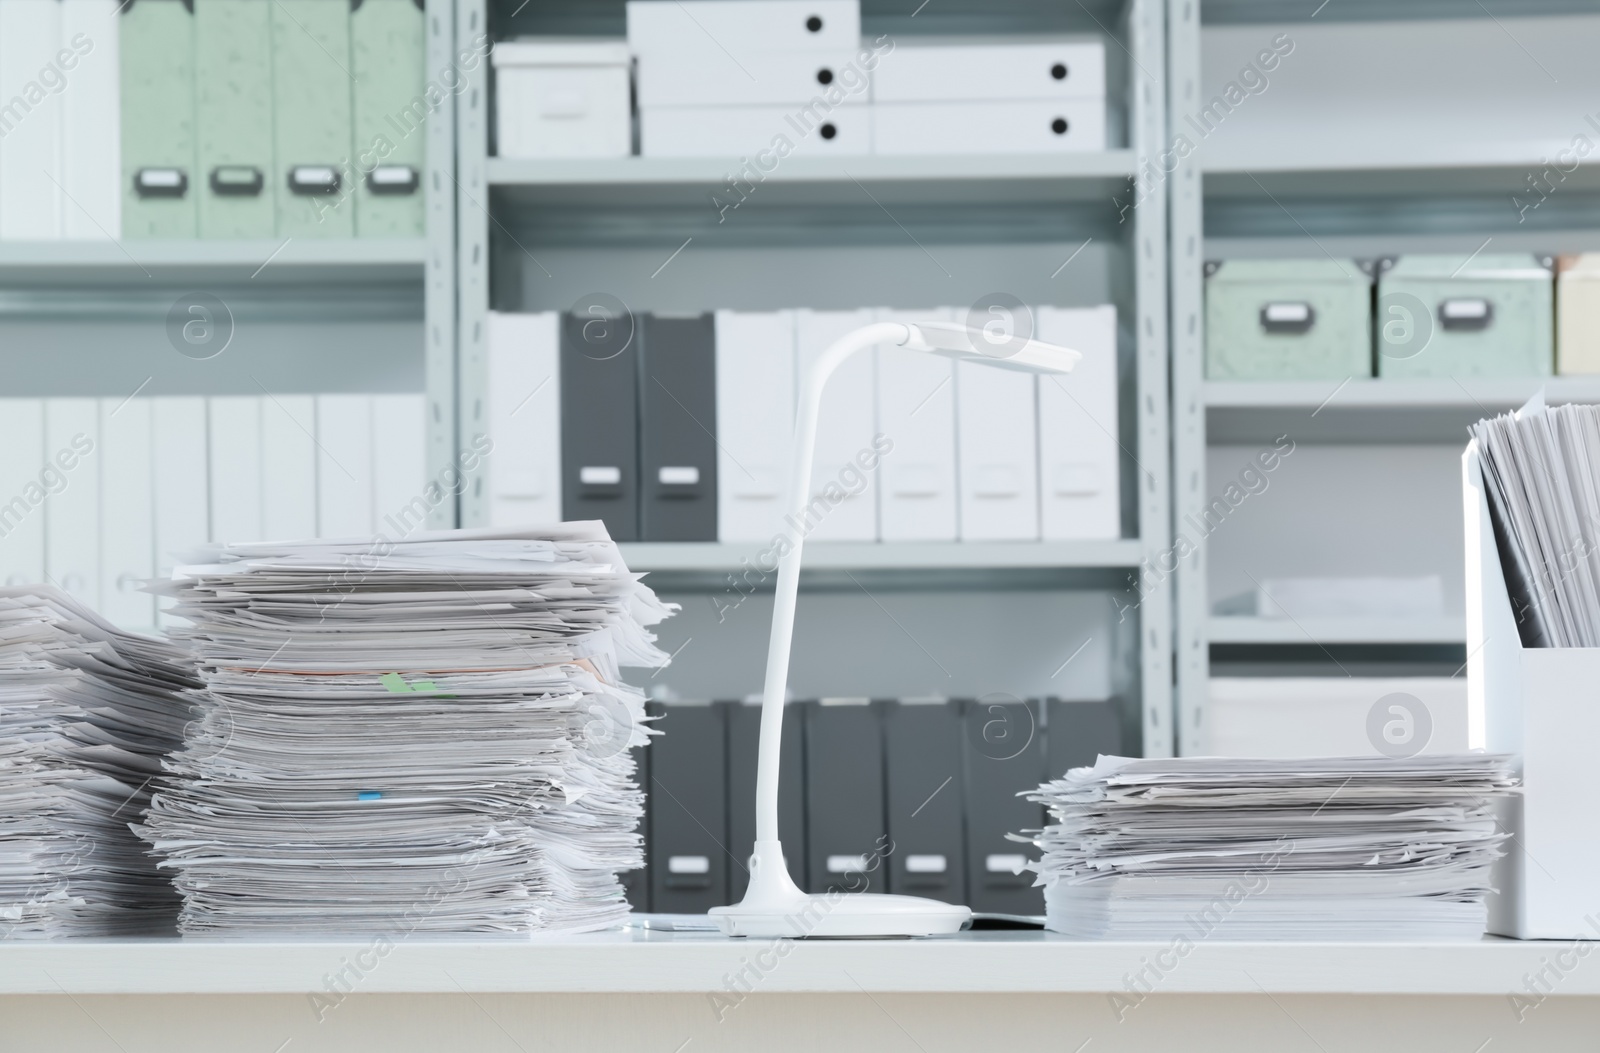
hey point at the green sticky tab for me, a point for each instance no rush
(396, 683)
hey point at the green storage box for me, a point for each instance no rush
(159, 184)
(1488, 316)
(233, 105)
(391, 130)
(1288, 320)
(312, 84)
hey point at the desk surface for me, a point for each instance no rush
(637, 961)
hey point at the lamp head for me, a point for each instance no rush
(953, 340)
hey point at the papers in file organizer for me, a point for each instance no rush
(1365, 848)
(422, 736)
(86, 714)
(1541, 473)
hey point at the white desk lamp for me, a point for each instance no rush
(772, 905)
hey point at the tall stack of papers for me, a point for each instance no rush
(1541, 470)
(1365, 848)
(87, 712)
(420, 736)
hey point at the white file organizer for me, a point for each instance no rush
(1538, 703)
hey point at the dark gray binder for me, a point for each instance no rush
(1003, 748)
(922, 750)
(636, 883)
(688, 809)
(847, 845)
(1078, 732)
(744, 734)
(678, 420)
(600, 422)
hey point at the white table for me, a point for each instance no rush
(658, 991)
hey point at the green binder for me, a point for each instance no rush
(233, 107)
(158, 140)
(312, 80)
(390, 144)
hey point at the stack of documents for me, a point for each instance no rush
(1541, 472)
(87, 712)
(1367, 848)
(420, 736)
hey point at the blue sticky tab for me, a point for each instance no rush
(369, 795)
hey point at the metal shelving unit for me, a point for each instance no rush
(1324, 187)
(536, 235)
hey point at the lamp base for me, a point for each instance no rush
(773, 906)
(841, 915)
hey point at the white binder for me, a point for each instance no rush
(845, 430)
(1080, 495)
(288, 467)
(399, 464)
(997, 458)
(344, 465)
(235, 430)
(755, 421)
(72, 447)
(91, 131)
(524, 466)
(127, 525)
(916, 411)
(742, 26)
(30, 151)
(180, 483)
(21, 492)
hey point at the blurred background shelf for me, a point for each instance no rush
(1373, 410)
(270, 261)
(1331, 631)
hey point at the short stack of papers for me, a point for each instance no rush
(423, 736)
(87, 712)
(1345, 848)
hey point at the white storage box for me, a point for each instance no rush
(1578, 314)
(1334, 716)
(742, 26)
(566, 98)
(1539, 703)
(685, 78)
(1298, 598)
(1068, 126)
(746, 131)
(976, 72)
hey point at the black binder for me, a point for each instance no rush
(678, 420)
(1003, 748)
(600, 421)
(744, 733)
(847, 846)
(922, 750)
(1079, 732)
(688, 809)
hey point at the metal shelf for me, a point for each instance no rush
(1241, 630)
(1372, 410)
(272, 261)
(901, 556)
(625, 217)
(672, 181)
